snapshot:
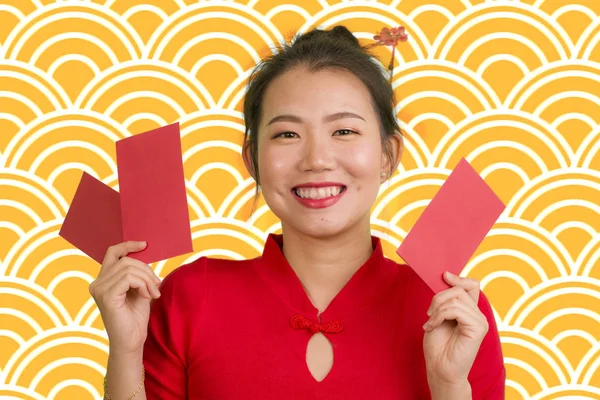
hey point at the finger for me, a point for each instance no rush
(454, 313)
(120, 286)
(119, 280)
(114, 253)
(123, 266)
(472, 286)
(142, 266)
(467, 318)
(443, 296)
(461, 299)
(131, 281)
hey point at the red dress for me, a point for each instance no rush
(238, 330)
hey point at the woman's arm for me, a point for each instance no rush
(488, 374)
(174, 318)
(124, 376)
(164, 352)
(465, 357)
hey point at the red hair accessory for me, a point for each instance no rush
(391, 37)
(300, 322)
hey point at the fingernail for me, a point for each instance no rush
(426, 326)
(450, 274)
(429, 312)
(142, 242)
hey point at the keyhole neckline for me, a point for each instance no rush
(301, 322)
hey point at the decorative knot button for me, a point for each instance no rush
(300, 322)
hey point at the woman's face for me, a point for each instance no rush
(319, 151)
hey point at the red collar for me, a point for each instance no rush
(369, 281)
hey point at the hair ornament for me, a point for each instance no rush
(390, 37)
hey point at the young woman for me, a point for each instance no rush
(322, 314)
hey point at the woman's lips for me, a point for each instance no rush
(319, 203)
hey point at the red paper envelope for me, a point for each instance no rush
(93, 222)
(153, 195)
(452, 226)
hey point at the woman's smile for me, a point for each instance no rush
(318, 194)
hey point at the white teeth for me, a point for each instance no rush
(318, 193)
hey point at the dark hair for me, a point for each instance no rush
(316, 50)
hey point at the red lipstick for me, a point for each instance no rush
(319, 203)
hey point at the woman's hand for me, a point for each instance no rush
(123, 292)
(453, 333)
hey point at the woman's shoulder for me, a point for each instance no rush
(410, 281)
(406, 273)
(195, 272)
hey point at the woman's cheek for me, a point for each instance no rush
(275, 167)
(362, 162)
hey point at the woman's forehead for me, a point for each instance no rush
(316, 94)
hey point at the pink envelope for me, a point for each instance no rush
(154, 204)
(452, 226)
(93, 222)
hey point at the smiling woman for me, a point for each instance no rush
(322, 314)
(333, 140)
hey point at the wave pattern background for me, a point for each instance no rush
(512, 86)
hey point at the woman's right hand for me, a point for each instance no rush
(123, 291)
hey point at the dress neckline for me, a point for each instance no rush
(373, 278)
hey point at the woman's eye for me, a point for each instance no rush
(346, 132)
(285, 135)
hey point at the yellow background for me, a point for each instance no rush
(512, 86)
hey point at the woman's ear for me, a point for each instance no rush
(395, 144)
(398, 143)
(247, 157)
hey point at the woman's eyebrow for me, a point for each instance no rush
(328, 118)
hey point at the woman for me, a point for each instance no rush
(322, 314)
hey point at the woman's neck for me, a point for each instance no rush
(325, 265)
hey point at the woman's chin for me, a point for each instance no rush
(323, 223)
(319, 228)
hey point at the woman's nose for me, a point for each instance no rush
(318, 154)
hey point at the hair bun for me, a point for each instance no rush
(341, 32)
(338, 33)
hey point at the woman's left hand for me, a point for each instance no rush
(454, 331)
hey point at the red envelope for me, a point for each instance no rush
(153, 195)
(93, 222)
(452, 226)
